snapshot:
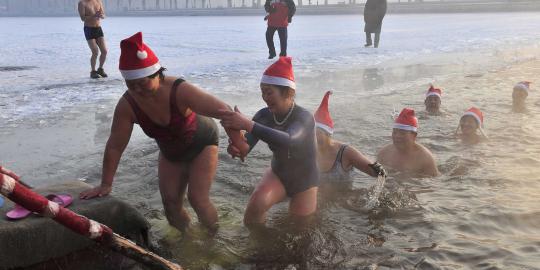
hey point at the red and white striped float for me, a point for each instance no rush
(18, 193)
(12, 189)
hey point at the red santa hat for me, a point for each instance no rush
(322, 115)
(432, 91)
(280, 73)
(406, 120)
(477, 114)
(525, 86)
(136, 59)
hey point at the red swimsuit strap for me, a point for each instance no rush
(153, 130)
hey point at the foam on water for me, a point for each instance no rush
(373, 196)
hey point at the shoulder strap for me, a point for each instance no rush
(142, 118)
(340, 152)
(172, 97)
(132, 103)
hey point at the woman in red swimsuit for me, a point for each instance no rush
(176, 114)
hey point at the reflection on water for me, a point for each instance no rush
(372, 79)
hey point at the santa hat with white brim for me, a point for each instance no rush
(407, 120)
(478, 115)
(323, 120)
(432, 91)
(280, 73)
(524, 86)
(137, 60)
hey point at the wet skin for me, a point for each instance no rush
(403, 139)
(468, 125)
(433, 104)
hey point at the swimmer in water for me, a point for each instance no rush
(433, 101)
(404, 154)
(336, 159)
(519, 95)
(289, 131)
(471, 122)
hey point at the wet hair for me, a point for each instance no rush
(159, 72)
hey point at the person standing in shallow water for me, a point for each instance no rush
(289, 131)
(280, 13)
(404, 154)
(471, 122)
(374, 12)
(91, 13)
(433, 101)
(177, 115)
(337, 160)
(519, 95)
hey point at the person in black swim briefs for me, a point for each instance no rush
(289, 131)
(91, 13)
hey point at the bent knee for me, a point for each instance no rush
(256, 207)
(302, 211)
(171, 203)
(199, 201)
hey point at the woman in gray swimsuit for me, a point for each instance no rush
(336, 160)
(288, 129)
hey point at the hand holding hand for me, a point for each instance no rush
(238, 151)
(234, 152)
(235, 120)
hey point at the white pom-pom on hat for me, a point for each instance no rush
(142, 55)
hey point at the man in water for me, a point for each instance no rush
(433, 101)
(405, 154)
(91, 13)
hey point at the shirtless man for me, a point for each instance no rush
(91, 13)
(404, 154)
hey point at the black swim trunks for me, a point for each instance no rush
(93, 32)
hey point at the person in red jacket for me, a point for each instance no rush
(279, 16)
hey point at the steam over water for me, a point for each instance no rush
(482, 213)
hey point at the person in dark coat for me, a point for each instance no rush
(374, 12)
(280, 13)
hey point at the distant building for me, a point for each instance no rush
(118, 7)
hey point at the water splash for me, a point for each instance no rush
(373, 196)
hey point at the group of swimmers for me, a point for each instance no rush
(178, 115)
(404, 154)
